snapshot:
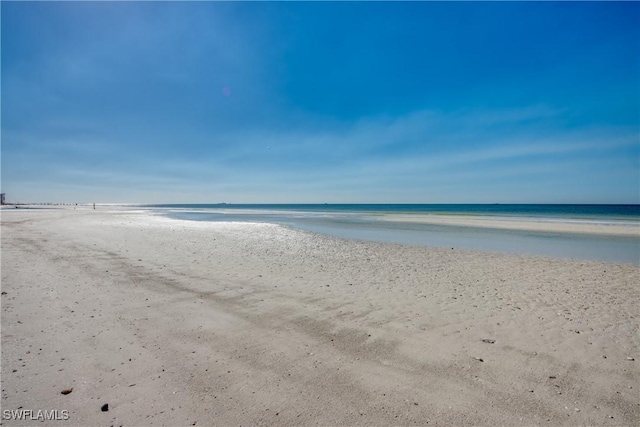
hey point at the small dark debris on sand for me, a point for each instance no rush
(67, 390)
(489, 341)
(105, 407)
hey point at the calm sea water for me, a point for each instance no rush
(362, 221)
(603, 212)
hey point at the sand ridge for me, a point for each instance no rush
(563, 225)
(175, 322)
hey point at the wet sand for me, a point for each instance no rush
(175, 322)
(618, 228)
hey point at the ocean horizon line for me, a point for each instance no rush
(578, 211)
(312, 203)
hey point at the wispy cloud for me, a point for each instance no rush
(128, 98)
(427, 138)
(347, 161)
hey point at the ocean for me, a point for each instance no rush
(365, 222)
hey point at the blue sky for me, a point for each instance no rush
(416, 102)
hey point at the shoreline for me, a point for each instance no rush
(565, 239)
(556, 224)
(176, 322)
(559, 238)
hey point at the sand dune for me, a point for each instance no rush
(193, 323)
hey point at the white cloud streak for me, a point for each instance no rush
(421, 154)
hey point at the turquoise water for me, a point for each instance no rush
(363, 222)
(604, 212)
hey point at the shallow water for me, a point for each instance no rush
(364, 226)
(548, 211)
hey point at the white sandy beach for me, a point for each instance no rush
(195, 323)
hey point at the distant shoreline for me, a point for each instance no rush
(563, 237)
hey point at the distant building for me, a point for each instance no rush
(1, 198)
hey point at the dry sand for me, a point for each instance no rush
(189, 323)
